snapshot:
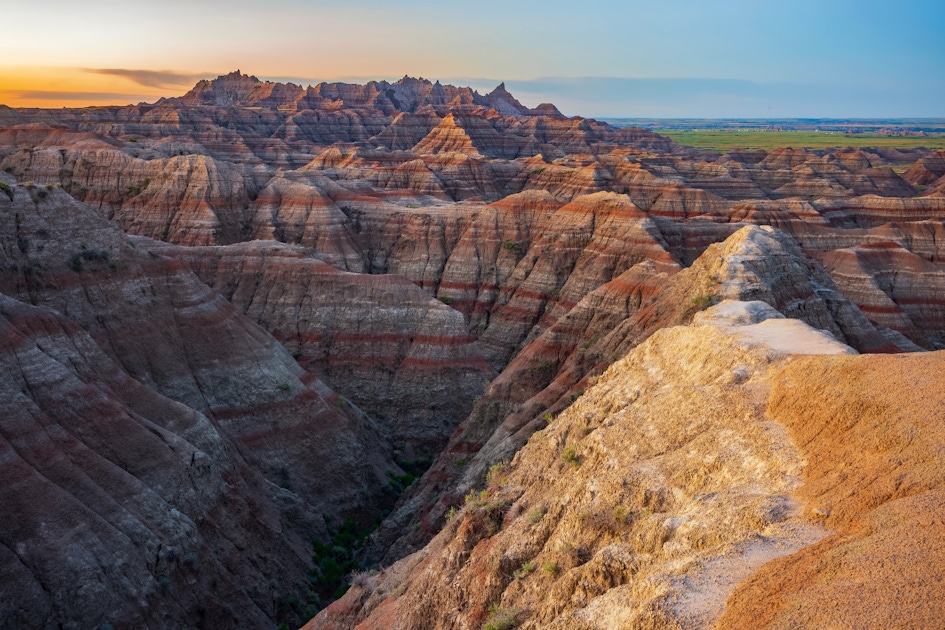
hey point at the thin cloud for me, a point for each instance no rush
(158, 79)
(50, 95)
(728, 98)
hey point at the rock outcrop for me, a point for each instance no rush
(553, 370)
(173, 460)
(894, 288)
(693, 453)
(926, 170)
(377, 340)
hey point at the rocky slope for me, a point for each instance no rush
(128, 504)
(893, 286)
(690, 487)
(460, 267)
(376, 339)
(201, 454)
(548, 374)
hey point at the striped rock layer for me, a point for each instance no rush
(322, 282)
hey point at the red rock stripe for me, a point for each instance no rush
(429, 340)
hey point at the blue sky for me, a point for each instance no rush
(669, 58)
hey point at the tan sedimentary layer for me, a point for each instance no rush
(680, 478)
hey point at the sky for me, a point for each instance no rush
(671, 58)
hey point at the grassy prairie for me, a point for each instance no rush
(723, 141)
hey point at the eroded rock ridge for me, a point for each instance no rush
(242, 320)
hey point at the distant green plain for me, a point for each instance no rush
(723, 141)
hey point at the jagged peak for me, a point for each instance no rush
(499, 90)
(237, 74)
(407, 94)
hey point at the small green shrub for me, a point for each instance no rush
(704, 301)
(535, 515)
(525, 569)
(570, 456)
(494, 476)
(399, 483)
(335, 560)
(500, 618)
(446, 299)
(489, 510)
(551, 568)
(478, 499)
(135, 189)
(90, 255)
(516, 248)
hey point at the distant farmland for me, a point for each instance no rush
(726, 140)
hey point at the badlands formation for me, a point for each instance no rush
(493, 366)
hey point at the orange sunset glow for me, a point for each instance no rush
(606, 59)
(76, 87)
